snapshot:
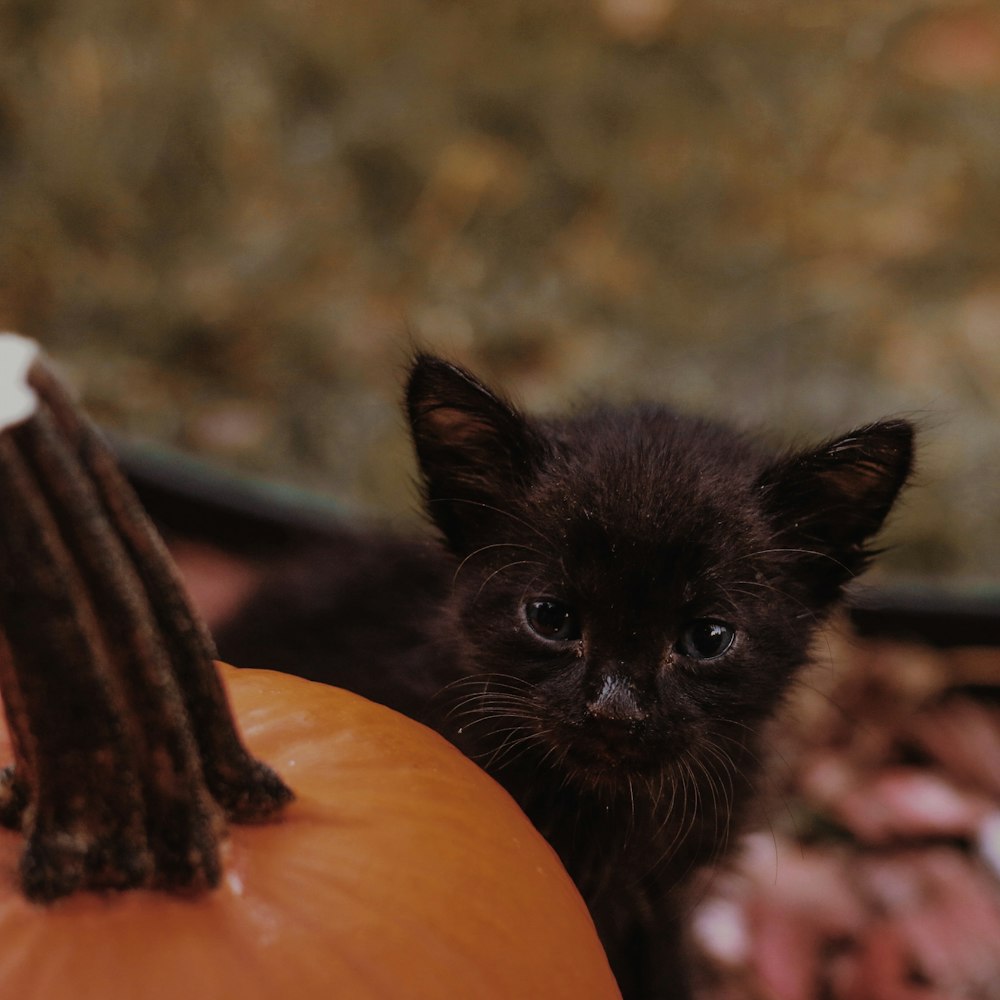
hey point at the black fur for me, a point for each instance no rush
(633, 756)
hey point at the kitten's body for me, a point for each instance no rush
(559, 635)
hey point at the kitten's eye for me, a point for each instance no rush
(705, 639)
(552, 620)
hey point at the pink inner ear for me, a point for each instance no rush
(857, 481)
(457, 427)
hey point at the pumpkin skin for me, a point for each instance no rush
(400, 871)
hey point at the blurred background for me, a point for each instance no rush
(231, 222)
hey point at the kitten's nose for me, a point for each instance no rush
(616, 701)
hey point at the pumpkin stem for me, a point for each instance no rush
(127, 757)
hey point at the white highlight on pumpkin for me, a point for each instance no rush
(17, 399)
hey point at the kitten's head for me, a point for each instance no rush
(638, 585)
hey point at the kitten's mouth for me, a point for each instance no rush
(613, 748)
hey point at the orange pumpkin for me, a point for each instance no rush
(400, 870)
(388, 866)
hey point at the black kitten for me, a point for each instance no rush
(621, 600)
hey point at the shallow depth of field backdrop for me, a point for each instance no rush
(230, 220)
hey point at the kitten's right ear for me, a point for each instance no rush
(474, 447)
(827, 503)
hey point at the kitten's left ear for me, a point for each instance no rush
(827, 503)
